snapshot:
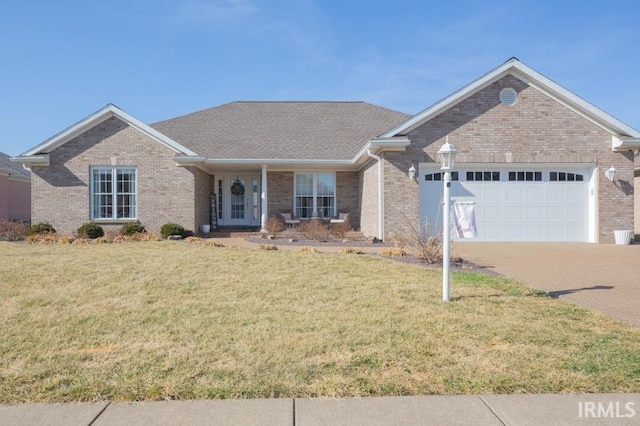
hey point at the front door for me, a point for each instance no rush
(244, 201)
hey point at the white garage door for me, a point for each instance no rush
(515, 204)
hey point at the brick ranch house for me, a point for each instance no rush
(15, 191)
(532, 158)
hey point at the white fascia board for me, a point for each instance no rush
(32, 160)
(97, 118)
(531, 77)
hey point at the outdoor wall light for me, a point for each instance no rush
(412, 172)
(611, 173)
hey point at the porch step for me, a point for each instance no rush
(234, 232)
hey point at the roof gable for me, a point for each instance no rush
(534, 79)
(93, 120)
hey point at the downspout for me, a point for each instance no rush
(380, 195)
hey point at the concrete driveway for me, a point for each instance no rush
(604, 277)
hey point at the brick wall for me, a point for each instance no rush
(348, 196)
(203, 188)
(60, 192)
(368, 177)
(535, 129)
(279, 192)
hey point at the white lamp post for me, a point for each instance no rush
(447, 154)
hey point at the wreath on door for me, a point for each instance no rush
(237, 188)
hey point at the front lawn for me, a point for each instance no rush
(169, 320)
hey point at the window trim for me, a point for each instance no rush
(114, 193)
(315, 194)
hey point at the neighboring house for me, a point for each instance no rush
(15, 191)
(532, 157)
(636, 184)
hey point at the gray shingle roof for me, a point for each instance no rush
(13, 168)
(281, 130)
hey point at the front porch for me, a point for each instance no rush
(244, 200)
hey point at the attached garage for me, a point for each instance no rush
(517, 202)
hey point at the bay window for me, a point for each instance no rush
(315, 195)
(113, 193)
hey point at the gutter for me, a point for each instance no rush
(380, 195)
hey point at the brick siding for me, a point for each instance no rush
(60, 192)
(536, 129)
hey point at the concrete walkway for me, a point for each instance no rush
(604, 277)
(586, 409)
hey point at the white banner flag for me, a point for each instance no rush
(464, 216)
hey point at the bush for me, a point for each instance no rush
(275, 225)
(13, 231)
(131, 228)
(315, 230)
(172, 229)
(41, 228)
(90, 230)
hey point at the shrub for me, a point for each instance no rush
(393, 252)
(267, 247)
(315, 230)
(90, 230)
(340, 229)
(41, 228)
(131, 228)
(351, 250)
(172, 229)
(275, 225)
(44, 238)
(307, 250)
(13, 231)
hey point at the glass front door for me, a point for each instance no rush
(244, 201)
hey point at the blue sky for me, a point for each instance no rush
(157, 59)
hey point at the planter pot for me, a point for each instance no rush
(623, 237)
(205, 229)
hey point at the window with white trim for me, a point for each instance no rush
(315, 195)
(113, 193)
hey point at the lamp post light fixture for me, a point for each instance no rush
(447, 154)
(412, 172)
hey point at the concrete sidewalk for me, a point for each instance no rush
(583, 409)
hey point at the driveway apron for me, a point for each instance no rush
(603, 277)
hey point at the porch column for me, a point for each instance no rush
(263, 198)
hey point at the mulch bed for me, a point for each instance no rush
(457, 265)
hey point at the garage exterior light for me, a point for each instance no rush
(611, 173)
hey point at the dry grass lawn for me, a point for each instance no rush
(169, 320)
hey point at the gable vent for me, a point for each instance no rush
(508, 96)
